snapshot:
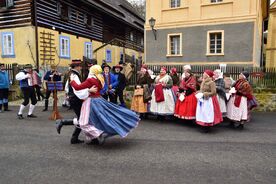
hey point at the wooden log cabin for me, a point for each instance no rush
(43, 32)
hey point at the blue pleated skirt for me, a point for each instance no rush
(111, 118)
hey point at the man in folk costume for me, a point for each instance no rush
(4, 88)
(221, 94)
(75, 99)
(142, 94)
(208, 112)
(119, 92)
(51, 76)
(26, 85)
(185, 107)
(111, 83)
(241, 101)
(163, 102)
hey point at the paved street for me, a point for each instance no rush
(156, 152)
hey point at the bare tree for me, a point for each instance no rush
(139, 6)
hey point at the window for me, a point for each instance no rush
(8, 45)
(108, 56)
(6, 3)
(174, 44)
(216, 1)
(131, 36)
(88, 50)
(63, 11)
(88, 21)
(64, 44)
(175, 3)
(215, 43)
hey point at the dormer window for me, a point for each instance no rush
(6, 3)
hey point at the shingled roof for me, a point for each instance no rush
(121, 9)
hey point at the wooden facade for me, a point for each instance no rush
(103, 21)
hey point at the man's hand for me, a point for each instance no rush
(93, 89)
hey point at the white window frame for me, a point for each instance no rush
(208, 53)
(88, 50)
(169, 53)
(8, 47)
(175, 3)
(64, 53)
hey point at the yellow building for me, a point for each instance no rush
(205, 31)
(56, 32)
(271, 39)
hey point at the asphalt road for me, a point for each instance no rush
(156, 152)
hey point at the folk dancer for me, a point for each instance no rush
(185, 107)
(163, 99)
(221, 93)
(241, 101)
(208, 112)
(142, 94)
(27, 88)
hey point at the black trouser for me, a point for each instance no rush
(76, 104)
(110, 96)
(4, 95)
(38, 92)
(120, 94)
(29, 93)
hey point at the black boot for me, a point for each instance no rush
(75, 136)
(6, 107)
(1, 107)
(46, 105)
(61, 122)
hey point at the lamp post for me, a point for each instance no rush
(152, 24)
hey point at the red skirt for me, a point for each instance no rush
(187, 108)
(217, 114)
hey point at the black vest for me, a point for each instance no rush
(71, 91)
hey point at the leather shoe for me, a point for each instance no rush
(102, 138)
(59, 125)
(20, 116)
(76, 141)
(31, 116)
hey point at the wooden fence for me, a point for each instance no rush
(259, 77)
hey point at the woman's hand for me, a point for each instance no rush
(93, 89)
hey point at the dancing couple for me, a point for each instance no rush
(99, 118)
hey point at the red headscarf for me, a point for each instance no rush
(209, 72)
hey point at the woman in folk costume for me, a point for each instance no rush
(176, 80)
(221, 95)
(208, 111)
(241, 101)
(100, 118)
(163, 102)
(185, 107)
(141, 93)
